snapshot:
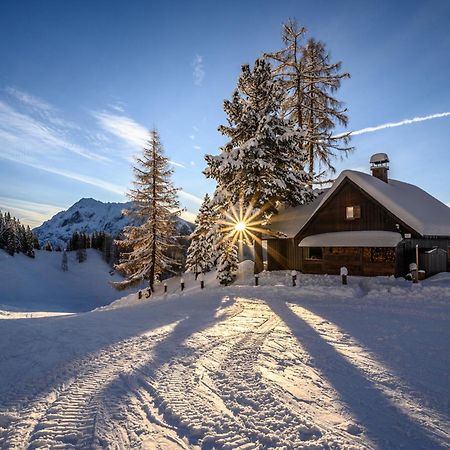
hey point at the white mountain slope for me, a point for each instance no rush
(39, 284)
(316, 366)
(89, 215)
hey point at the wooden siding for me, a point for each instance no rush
(332, 215)
(285, 253)
(407, 250)
(358, 260)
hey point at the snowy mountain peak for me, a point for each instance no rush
(88, 215)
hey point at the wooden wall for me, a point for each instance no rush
(331, 216)
(285, 253)
(407, 250)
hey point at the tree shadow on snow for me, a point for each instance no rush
(40, 354)
(172, 348)
(385, 423)
(415, 348)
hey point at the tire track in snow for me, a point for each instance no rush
(66, 417)
(383, 378)
(269, 421)
(185, 401)
(212, 391)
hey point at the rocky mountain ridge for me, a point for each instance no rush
(89, 215)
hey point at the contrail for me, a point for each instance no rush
(395, 124)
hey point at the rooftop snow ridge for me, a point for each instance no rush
(411, 204)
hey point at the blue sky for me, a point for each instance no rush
(81, 81)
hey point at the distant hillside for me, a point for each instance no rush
(40, 285)
(89, 215)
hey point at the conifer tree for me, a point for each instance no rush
(15, 237)
(310, 81)
(227, 263)
(145, 247)
(81, 254)
(262, 163)
(2, 230)
(322, 111)
(64, 264)
(201, 249)
(29, 242)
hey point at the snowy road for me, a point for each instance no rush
(245, 368)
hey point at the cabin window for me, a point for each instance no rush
(379, 255)
(313, 253)
(353, 212)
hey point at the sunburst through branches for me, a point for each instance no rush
(240, 224)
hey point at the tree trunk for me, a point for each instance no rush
(258, 251)
(153, 257)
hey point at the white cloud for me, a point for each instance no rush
(396, 124)
(197, 147)
(192, 163)
(125, 128)
(23, 136)
(188, 196)
(93, 181)
(177, 164)
(192, 137)
(29, 213)
(128, 130)
(117, 107)
(199, 70)
(29, 99)
(36, 105)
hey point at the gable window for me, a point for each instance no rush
(352, 212)
(313, 253)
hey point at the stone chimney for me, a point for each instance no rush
(379, 165)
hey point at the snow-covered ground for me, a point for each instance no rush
(39, 284)
(315, 366)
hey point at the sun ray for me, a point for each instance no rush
(241, 224)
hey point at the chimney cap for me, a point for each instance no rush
(379, 158)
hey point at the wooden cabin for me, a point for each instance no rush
(367, 223)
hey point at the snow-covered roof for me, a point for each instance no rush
(289, 221)
(412, 205)
(353, 239)
(415, 207)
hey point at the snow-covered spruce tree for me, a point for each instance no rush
(200, 255)
(29, 242)
(263, 162)
(145, 247)
(227, 263)
(15, 237)
(310, 80)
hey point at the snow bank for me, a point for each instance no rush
(39, 284)
(319, 365)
